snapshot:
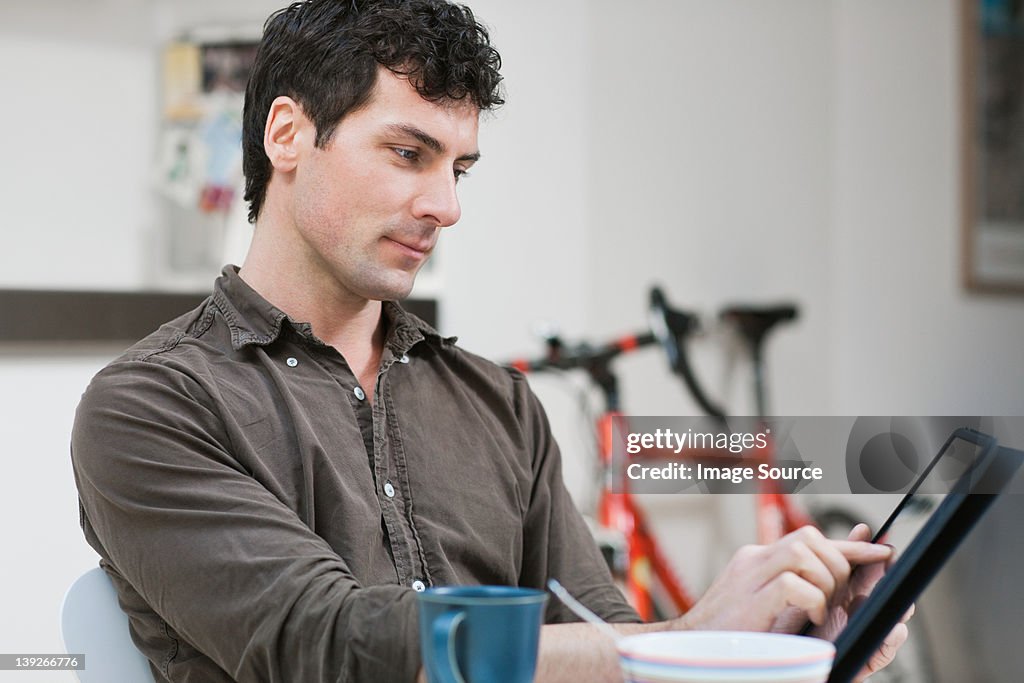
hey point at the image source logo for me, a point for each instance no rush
(794, 455)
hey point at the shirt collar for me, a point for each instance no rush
(255, 321)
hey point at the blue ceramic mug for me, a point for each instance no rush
(480, 634)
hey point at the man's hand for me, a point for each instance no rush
(775, 587)
(778, 587)
(847, 602)
(801, 577)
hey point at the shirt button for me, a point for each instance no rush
(292, 362)
(404, 358)
(360, 394)
(389, 490)
(418, 586)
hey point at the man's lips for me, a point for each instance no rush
(414, 247)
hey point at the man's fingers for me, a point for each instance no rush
(824, 549)
(865, 578)
(860, 532)
(790, 590)
(909, 613)
(823, 571)
(887, 652)
(860, 552)
(893, 556)
(802, 571)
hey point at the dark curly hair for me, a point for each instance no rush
(324, 54)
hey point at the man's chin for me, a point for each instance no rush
(390, 291)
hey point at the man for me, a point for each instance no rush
(270, 478)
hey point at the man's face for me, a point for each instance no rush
(369, 207)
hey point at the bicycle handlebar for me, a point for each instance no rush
(669, 329)
(582, 356)
(672, 327)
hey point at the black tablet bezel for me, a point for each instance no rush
(926, 553)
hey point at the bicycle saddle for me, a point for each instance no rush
(754, 322)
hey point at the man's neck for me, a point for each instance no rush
(351, 324)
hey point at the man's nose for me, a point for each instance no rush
(438, 201)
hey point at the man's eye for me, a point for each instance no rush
(460, 173)
(407, 154)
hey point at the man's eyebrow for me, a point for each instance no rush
(427, 139)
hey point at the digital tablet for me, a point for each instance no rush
(945, 502)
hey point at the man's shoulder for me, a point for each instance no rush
(232, 316)
(411, 331)
(170, 335)
(179, 348)
(493, 382)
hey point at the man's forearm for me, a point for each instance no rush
(570, 653)
(579, 652)
(573, 652)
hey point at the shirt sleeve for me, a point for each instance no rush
(216, 555)
(557, 542)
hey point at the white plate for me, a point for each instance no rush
(724, 657)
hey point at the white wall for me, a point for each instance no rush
(728, 150)
(38, 502)
(806, 150)
(516, 255)
(79, 103)
(711, 176)
(74, 190)
(908, 339)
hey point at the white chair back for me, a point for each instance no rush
(93, 624)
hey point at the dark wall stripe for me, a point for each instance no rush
(87, 316)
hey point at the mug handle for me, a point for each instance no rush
(444, 630)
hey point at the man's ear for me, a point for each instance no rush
(286, 130)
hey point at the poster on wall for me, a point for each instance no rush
(199, 159)
(993, 224)
(203, 216)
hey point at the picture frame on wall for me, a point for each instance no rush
(202, 220)
(993, 145)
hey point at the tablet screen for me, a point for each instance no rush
(961, 451)
(957, 456)
(939, 511)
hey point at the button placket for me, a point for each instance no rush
(392, 507)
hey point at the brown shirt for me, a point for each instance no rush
(262, 521)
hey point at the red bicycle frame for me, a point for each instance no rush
(647, 565)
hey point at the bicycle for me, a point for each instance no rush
(644, 560)
(634, 553)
